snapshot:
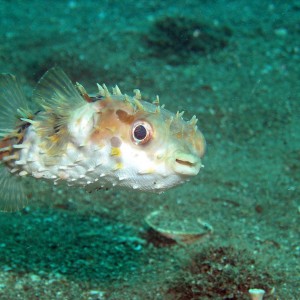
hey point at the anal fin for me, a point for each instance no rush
(12, 197)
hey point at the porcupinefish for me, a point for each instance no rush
(101, 141)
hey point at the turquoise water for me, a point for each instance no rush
(236, 66)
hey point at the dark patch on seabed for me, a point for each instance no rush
(236, 65)
(177, 38)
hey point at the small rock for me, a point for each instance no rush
(96, 295)
(35, 277)
(281, 32)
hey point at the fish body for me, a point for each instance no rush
(109, 140)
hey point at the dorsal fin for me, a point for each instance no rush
(56, 91)
(59, 98)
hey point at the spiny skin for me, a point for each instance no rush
(103, 141)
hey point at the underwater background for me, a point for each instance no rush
(236, 65)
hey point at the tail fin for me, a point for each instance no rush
(13, 107)
(12, 196)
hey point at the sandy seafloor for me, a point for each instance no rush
(67, 244)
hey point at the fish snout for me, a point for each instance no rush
(186, 164)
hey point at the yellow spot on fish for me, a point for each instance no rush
(179, 135)
(118, 166)
(54, 138)
(115, 151)
(148, 171)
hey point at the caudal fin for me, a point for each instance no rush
(13, 107)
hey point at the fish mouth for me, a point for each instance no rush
(187, 164)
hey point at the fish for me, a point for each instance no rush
(94, 141)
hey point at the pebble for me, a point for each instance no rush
(281, 32)
(97, 295)
(35, 277)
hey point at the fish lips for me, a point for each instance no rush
(186, 164)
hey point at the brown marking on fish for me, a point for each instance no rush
(3, 144)
(106, 126)
(124, 116)
(109, 121)
(83, 93)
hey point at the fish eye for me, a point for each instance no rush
(141, 132)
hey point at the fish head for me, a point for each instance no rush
(150, 148)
